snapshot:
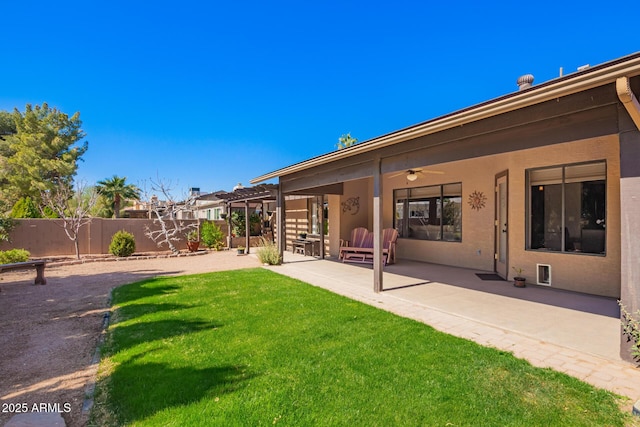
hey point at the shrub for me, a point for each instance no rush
(25, 208)
(631, 328)
(268, 252)
(211, 236)
(13, 255)
(122, 244)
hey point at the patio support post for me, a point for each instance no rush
(629, 221)
(280, 231)
(247, 226)
(229, 238)
(321, 216)
(261, 217)
(377, 227)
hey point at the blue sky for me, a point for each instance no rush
(209, 94)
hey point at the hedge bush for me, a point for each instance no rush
(14, 255)
(123, 244)
(211, 236)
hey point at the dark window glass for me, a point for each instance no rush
(567, 208)
(429, 213)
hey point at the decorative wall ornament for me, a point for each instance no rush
(352, 204)
(477, 200)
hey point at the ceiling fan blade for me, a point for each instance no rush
(398, 174)
(415, 172)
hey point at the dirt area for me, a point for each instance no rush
(49, 333)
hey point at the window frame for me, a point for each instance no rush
(439, 210)
(217, 211)
(563, 206)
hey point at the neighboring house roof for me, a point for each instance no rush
(592, 77)
(211, 196)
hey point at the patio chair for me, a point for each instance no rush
(389, 239)
(360, 248)
(357, 240)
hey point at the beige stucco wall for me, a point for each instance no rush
(577, 272)
(335, 213)
(592, 274)
(476, 248)
(342, 221)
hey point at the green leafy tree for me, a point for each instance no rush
(211, 235)
(7, 125)
(25, 207)
(6, 224)
(238, 223)
(346, 141)
(40, 148)
(115, 190)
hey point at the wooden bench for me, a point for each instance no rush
(306, 247)
(38, 265)
(360, 247)
(363, 255)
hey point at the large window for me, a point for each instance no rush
(567, 208)
(429, 213)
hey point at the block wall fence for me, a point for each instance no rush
(46, 237)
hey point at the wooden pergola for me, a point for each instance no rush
(245, 198)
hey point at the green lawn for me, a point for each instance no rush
(251, 347)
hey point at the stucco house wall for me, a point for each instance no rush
(352, 218)
(588, 273)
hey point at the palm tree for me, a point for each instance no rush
(346, 141)
(115, 190)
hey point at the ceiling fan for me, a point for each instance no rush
(412, 174)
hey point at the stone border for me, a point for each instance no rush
(95, 360)
(108, 258)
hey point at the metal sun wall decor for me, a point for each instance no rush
(477, 200)
(351, 204)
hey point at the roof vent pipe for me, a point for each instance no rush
(525, 82)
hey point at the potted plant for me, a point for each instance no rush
(193, 240)
(240, 250)
(518, 280)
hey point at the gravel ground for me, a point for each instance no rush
(49, 333)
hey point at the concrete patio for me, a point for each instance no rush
(573, 333)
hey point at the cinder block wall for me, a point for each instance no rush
(46, 237)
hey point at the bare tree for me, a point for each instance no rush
(72, 207)
(165, 214)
